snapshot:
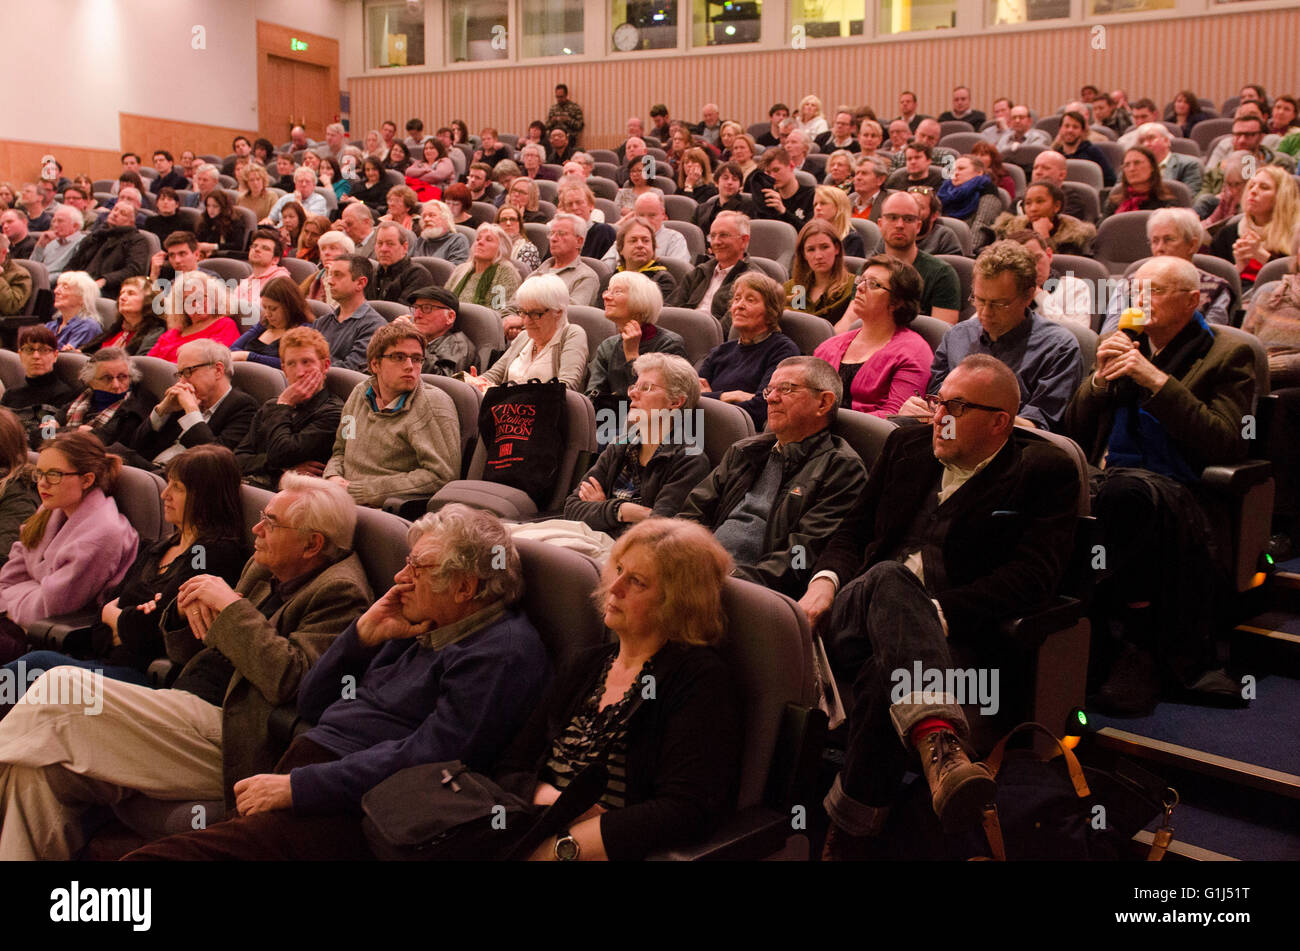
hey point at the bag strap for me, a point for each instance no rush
(994, 761)
(993, 832)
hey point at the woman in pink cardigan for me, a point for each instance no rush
(76, 547)
(882, 363)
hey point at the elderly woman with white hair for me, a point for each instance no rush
(632, 304)
(196, 309)
(1176, 232)
(112, 406)
(810, 120)
(550, 348)
(76, 318)
(487, 278)
(532, 157)
(331, 246)
(651, 470)
(438, 235)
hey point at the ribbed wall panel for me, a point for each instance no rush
(1212, 55)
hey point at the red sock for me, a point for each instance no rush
(927, 726)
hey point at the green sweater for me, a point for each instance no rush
(413, 450)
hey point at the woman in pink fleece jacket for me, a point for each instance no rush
(77, 545)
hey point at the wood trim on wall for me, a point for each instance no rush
(273, 39)
(1043, 68)
(144, 134)
(20, 161)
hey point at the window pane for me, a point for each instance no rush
(905, 16)
(1024, 11)
(642, 25)
(395, 35)
(1098, 7)
(476, 30)
(723, 22)
(821, 18)
(551, 28)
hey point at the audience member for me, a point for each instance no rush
(708, 287)
(820, 283)
(438, 235)
(566, 235)
(55, 247)
(632, 304)
(13, 226)
(487, 278)
(44, 395)
(1267, 227)
(349, 329)
(282, 307)
(15, 282)
(1155, 138)
(635, 249)
(1043, 215)
(1072, 142)
(1140, 185)
(113, 253)
(435, 311)
(76, 314)
(550, 348)
(900, 223)
(137, 326)
(961, 110)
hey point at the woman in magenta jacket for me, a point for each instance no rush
(882, 363)
(76, 547)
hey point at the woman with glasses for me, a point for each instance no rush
(76, 318)
(17, 494)
(283, 307)
(487, 278)
(201, 499)
(632, 304)
(75, 548)
(112, 406)
(522, 251)
(550, 348)
(650, 472)
(44, 395)
(820, 284)
(736, 371)
(882, 363)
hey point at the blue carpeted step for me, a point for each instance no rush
(1279, 625)
(1210, 835)
(1258, 746)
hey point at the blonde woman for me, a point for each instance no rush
(1271, 212)
(254, 194)
(810, 120)
(832, 205)
(487, 278)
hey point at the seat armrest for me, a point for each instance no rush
(1030, 630)
(161, 673)
(746, 836)
(64, 633)
(1237, 477)
(504, 501)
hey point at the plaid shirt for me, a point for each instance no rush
(79, 407)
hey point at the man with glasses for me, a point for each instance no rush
(900, 224)
(201, 407)
(1162, 405)
(566, 234)
(776, 498)
(435, 311)
(398, 436)
(1020, 133)
(1247, 136)
(244, 652)
(963, 523)
(709, 285)
(445, 667)
(1043, 355)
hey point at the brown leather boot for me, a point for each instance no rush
(959, 788)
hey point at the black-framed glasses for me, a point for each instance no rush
(956, 406)
(534, 314)
(30, 349)
(52, 477)
(397, 357)
(185, 373)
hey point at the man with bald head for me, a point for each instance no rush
(630, 151)
(1050, 166)
(710, 126)
(668, 243)
(1165, 401)
(929, 132)
(963, 523)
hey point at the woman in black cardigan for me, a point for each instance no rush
(673, 759)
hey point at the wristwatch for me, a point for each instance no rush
(567, 848)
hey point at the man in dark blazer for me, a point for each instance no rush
(728, 240)
(963, 523)
(200, 408)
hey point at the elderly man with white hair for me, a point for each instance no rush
(304, 193)
(566, 234)
(1176, 232)
(438, 236)
(797, 145)
(1166, 401)
(207, 177)
(668, 243)
(56, 246)
(1173, 165)
(244, 649)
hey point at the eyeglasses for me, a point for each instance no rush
(414, 567)
(429, 308)
(873, 285)
(397, 357)
(30, 349)
(185, 373)
(271, 522)
(891, 218)
(956, 407)
(996, 306)
(645, 387)
(114, 378)
(533, 314)
(786, 389)
(920, 190)
(52, 477)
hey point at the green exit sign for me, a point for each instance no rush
(296, 44)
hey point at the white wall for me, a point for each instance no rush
(139, 56)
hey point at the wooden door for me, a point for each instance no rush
(297, 81)
(312, 99)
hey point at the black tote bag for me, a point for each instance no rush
(524, 429)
